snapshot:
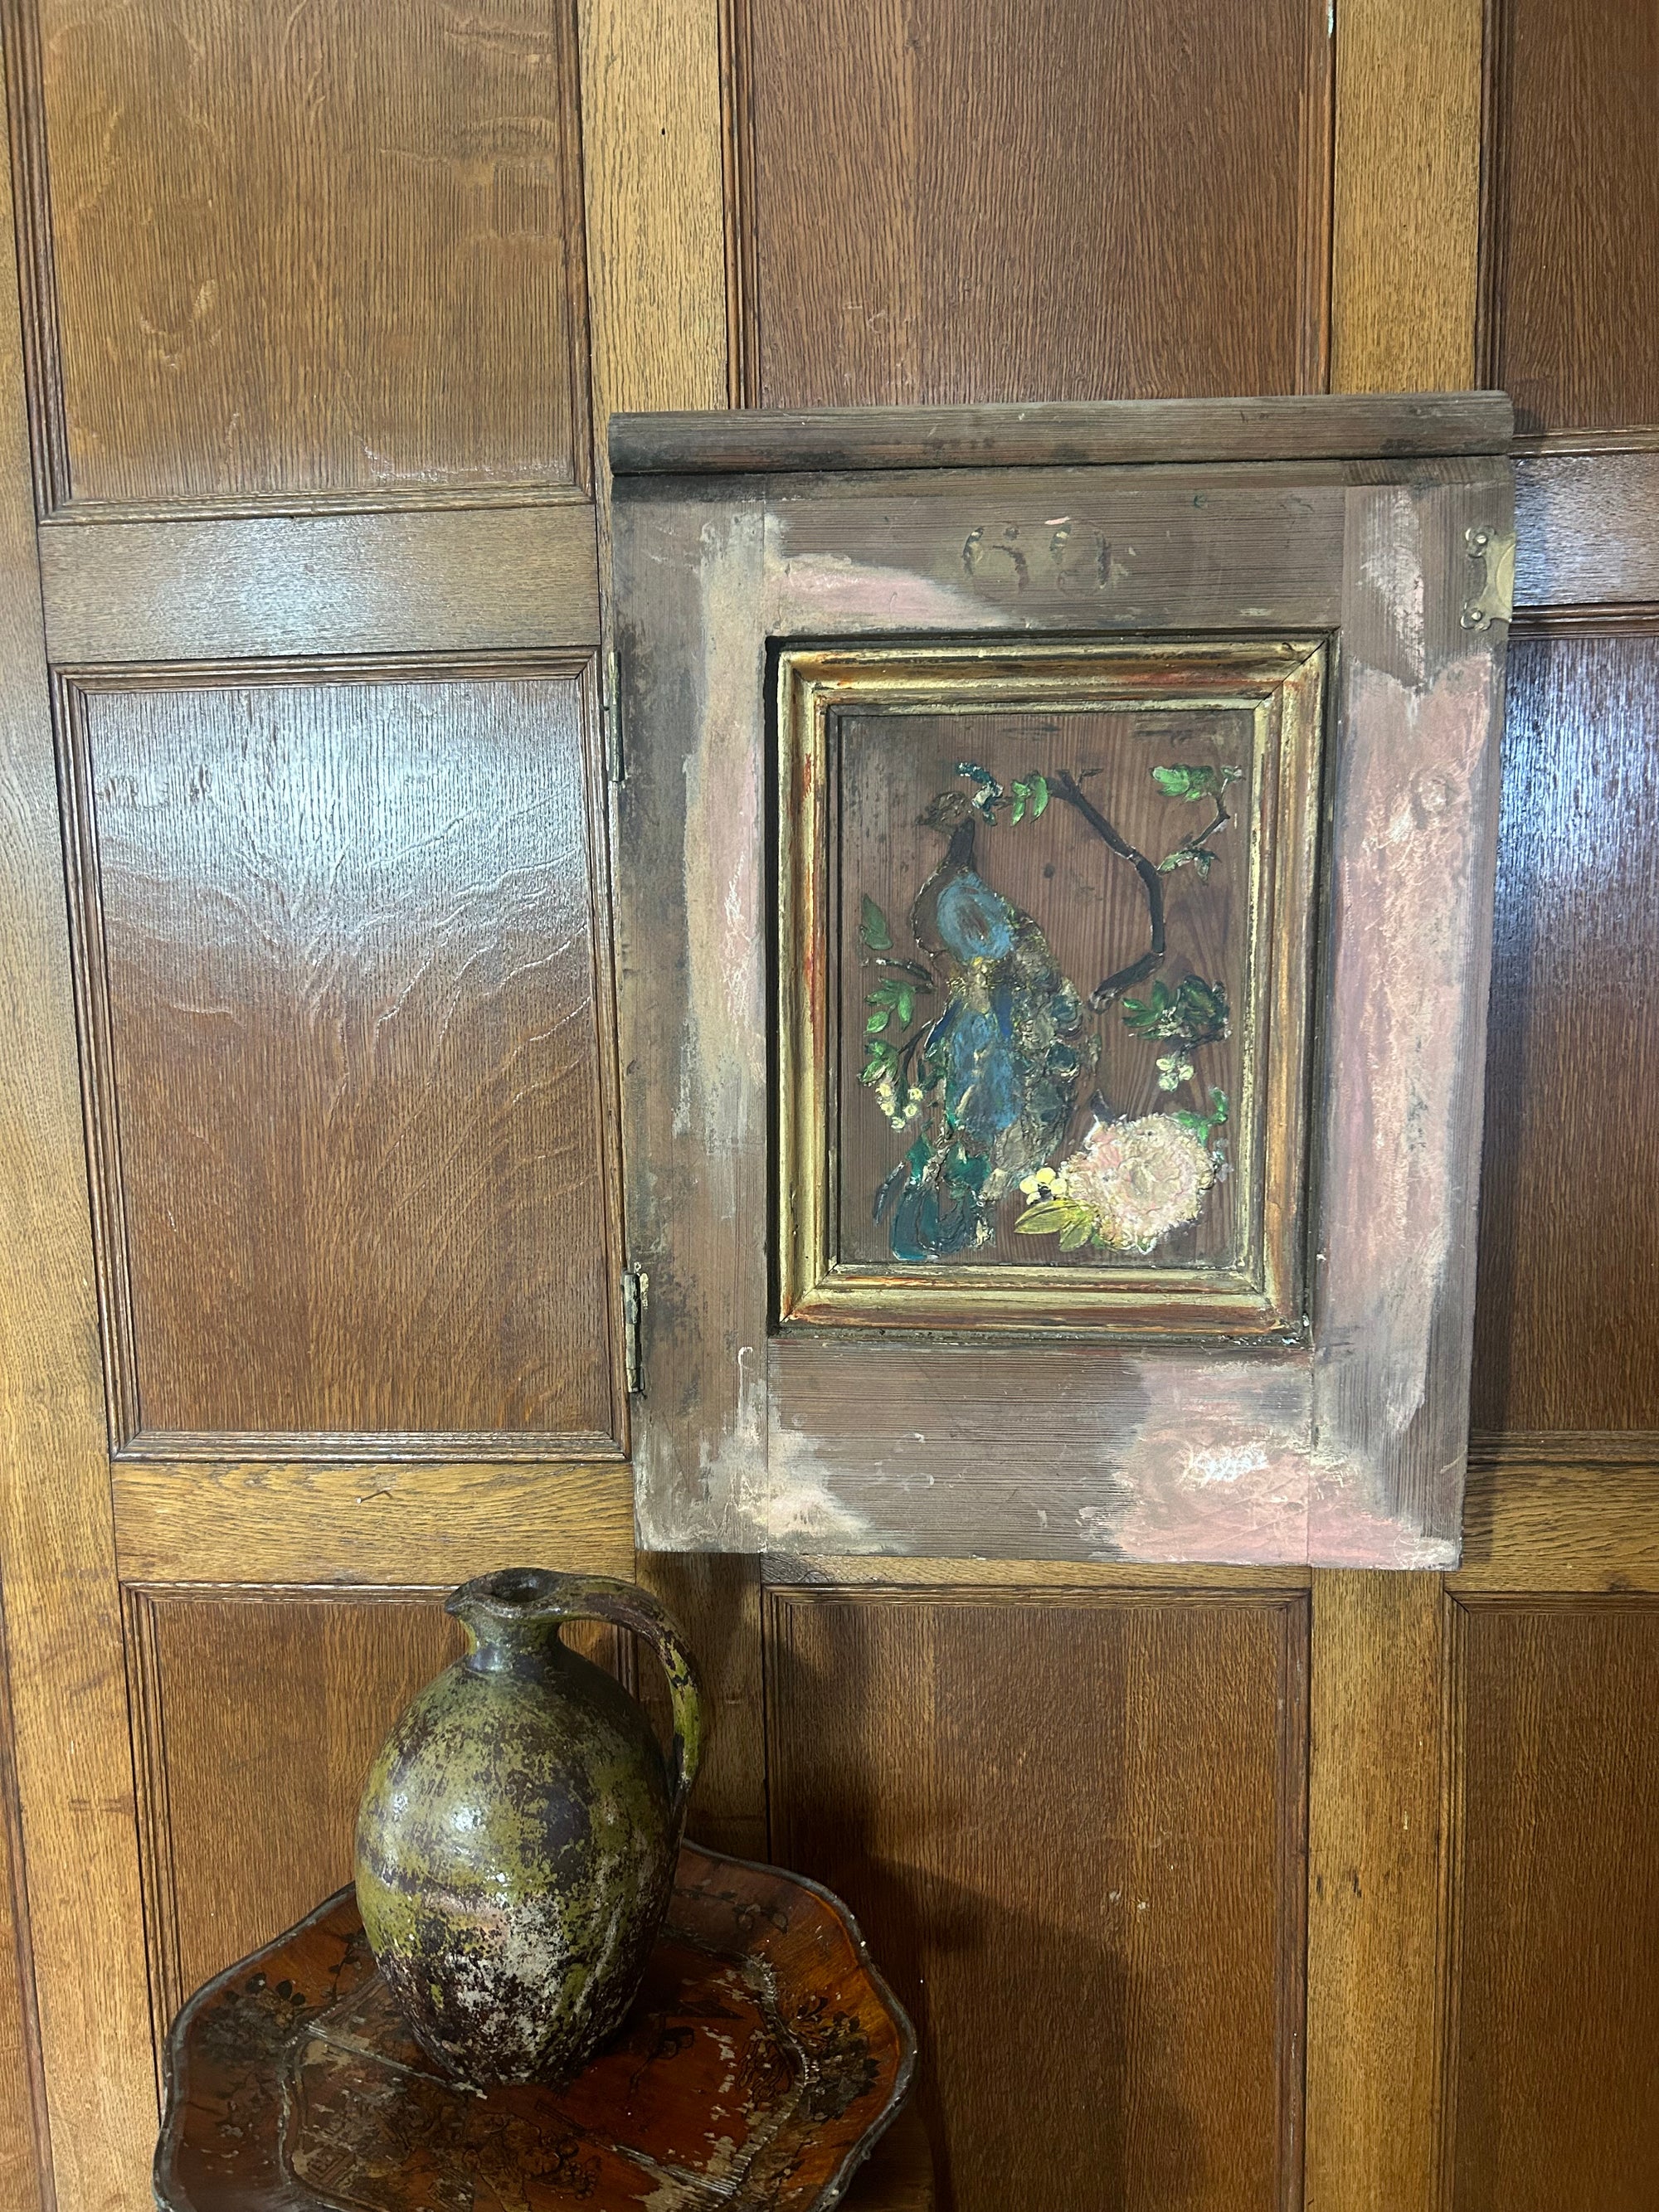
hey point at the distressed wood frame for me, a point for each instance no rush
(1280, 686)
(1384, 525)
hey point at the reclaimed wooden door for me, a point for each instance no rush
(1221, 1887)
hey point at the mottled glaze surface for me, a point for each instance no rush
(518, 1835)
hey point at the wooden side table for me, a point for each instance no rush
(763, 2058)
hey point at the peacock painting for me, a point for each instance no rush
(977, 1040)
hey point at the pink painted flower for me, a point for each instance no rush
(1139, 1179)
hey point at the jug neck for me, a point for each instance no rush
(512, 1621)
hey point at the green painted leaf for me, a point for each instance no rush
(1076, 1233)
(906, 1004)
(1184, 780)
(872, 926)
(878, 1021)
(1039, 789)
(1045, 1218)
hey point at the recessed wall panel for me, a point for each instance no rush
(1569, 1219)
(1071, 1832)
(344, 1040)
(331, 251)
(954, 200)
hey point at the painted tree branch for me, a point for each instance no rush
(1064, 786)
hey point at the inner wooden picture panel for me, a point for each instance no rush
(1079, 1105)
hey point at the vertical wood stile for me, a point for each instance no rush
(69, 1695)
(655, 156)
(1405, 246)
(1375, 1823)
(1407, 195)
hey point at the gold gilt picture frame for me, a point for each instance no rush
(1122, 1154)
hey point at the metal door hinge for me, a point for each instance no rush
(635, 1283)
(610, 709)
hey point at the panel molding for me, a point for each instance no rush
(788, 1607)
(129, 1438)
(44, 349)
(1465, 1607)
(1587, 530)
(144, 1606)
(1311, 98)
(742, 331)
(1496, 141)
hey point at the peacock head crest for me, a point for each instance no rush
(947, 812)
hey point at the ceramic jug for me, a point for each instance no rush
(519, 1832)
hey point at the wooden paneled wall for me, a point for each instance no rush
(307, 431)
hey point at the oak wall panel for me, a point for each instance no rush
(344, 1012)
(1070, 1825)
(1569, 1269)
(954, 200)
(1572, 262)
(323, 252)
(256, 1716)
(1555, 2059)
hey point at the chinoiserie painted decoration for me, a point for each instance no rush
(517, 1836)
(1055, 851)
(1030, 1068)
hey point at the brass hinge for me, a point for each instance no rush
(635, 1283)
(610, 709)
(1491, 596)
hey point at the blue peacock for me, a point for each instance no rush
(993, 1080)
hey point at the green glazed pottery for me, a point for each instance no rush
(519, 1832)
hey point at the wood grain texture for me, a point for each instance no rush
(1572, 244)
(1587, 530)
(1554, 2065)
(25, 2151)
(71, 1749)
(855, 1569)
(653, 165)
(1407, 195)
(303, 258)
(345, 1021)
(1063, 435)
(1568, 1231)
(306, 1522)
(1072, 1831)
(949, 202)
(1567, 1512)
(249, 1805)
(716, 1600)
(1375, 1993)
(449, 581)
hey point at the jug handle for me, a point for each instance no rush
(625, 1605)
